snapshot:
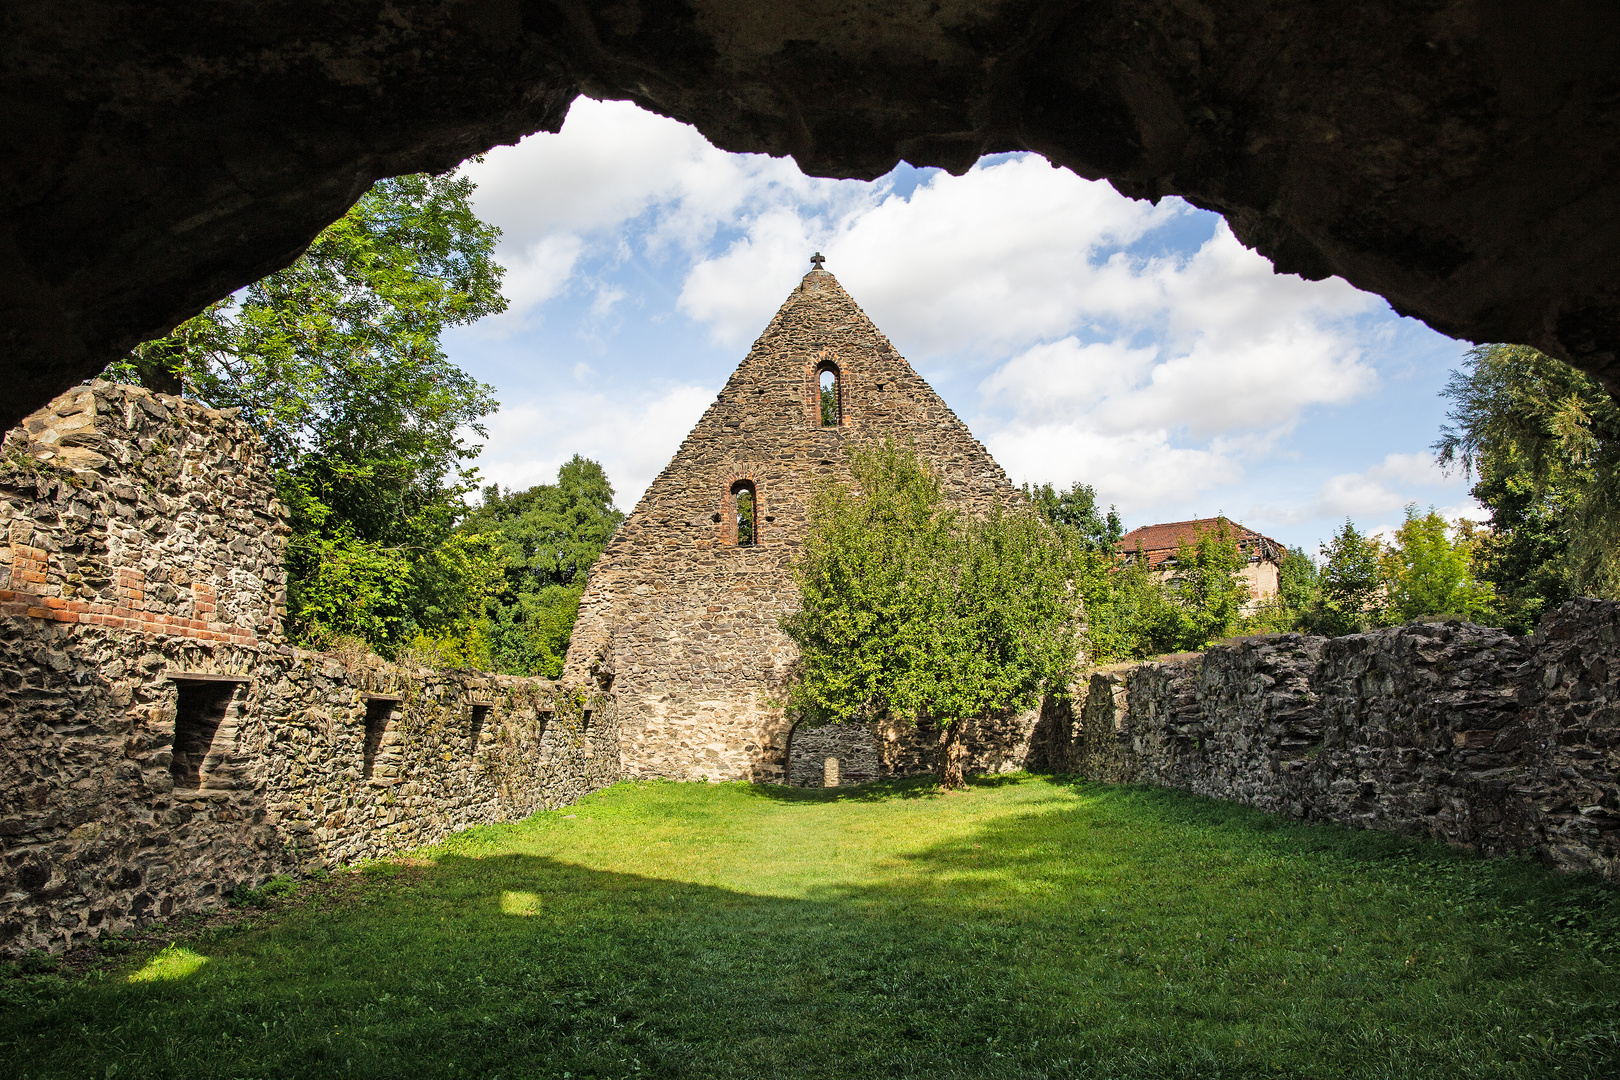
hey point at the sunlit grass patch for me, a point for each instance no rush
(1023, 928)
(173, 963)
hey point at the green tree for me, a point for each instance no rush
(1299, 582)
(1352, 585)
(1544, 441)
(829, 406)
(1076, 508)
(911, 609)
(1524, 553)
(546, 540)
(1205, 582)
(1426, 572)
(336, 361)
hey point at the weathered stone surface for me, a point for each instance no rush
(129, 582)
(1456, 157)
(1447, 730)
(128, 510)
(684, 621)
(96, 836)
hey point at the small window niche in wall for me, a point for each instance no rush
(479, 711)
(201, 704)
(745, 512)
(379, 712)
(831, 394)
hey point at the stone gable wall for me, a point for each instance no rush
(141, 559)
(1448, 730)
(681, 622)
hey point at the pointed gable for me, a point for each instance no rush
(684, 619)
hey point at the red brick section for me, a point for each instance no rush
(1159, 542)
(123, 616)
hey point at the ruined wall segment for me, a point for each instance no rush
(680, 620)
(130, 510)
(1448, 730)
(161, 744)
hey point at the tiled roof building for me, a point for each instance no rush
(1158, 544)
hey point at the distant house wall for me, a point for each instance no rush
(1262, 571)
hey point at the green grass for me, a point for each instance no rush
(1022, 928)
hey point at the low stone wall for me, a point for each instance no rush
(130, 510)
(313, 762)
(1448, 730)
(884, 750)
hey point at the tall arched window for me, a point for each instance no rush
(745, 510)
(832, 400)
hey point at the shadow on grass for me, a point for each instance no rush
(909, 787)
(1135, 932)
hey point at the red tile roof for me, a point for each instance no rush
(1159, 542)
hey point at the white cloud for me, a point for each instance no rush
(631, 436)
(1387, 487)
(559, 197)
(1230, 357)
(1162, 373)
(1000, 257)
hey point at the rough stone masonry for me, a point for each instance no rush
(681, 613)
(161, 743)
(1448, 730)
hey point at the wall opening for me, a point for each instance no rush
(200, 707)
(379, 711)
(831, 393)
(745, 512)
(480, 713)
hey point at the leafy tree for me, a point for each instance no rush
(1544, 440)
(336, 361)
(829, 407)
(1352, 589)
(1210, 594)
(1076, 508)
(912, 609)
(1299, 582)
(545, 539)
(1524, 554)
(1426, 572)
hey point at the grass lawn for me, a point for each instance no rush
(1025, 927)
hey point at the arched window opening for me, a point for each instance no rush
(744, 502)
(832, 404)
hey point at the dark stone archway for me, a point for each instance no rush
(1460, 158)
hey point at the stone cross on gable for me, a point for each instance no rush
(817, 259)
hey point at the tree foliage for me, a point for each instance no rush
(1076, 509)
(912, 609)
(1542, 440)
(336, 362)
(545, 540)
(1426, 571)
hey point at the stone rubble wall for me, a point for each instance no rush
(95, 836)
(683, 623)
(1448, 730)
(140, 553)
(130, 510)
(888, 749)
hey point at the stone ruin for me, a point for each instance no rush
(160, 741)
(1464, 734)
(680, 616)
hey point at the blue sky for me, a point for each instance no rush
(1080, 334)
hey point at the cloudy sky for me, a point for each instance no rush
(1080, 334)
